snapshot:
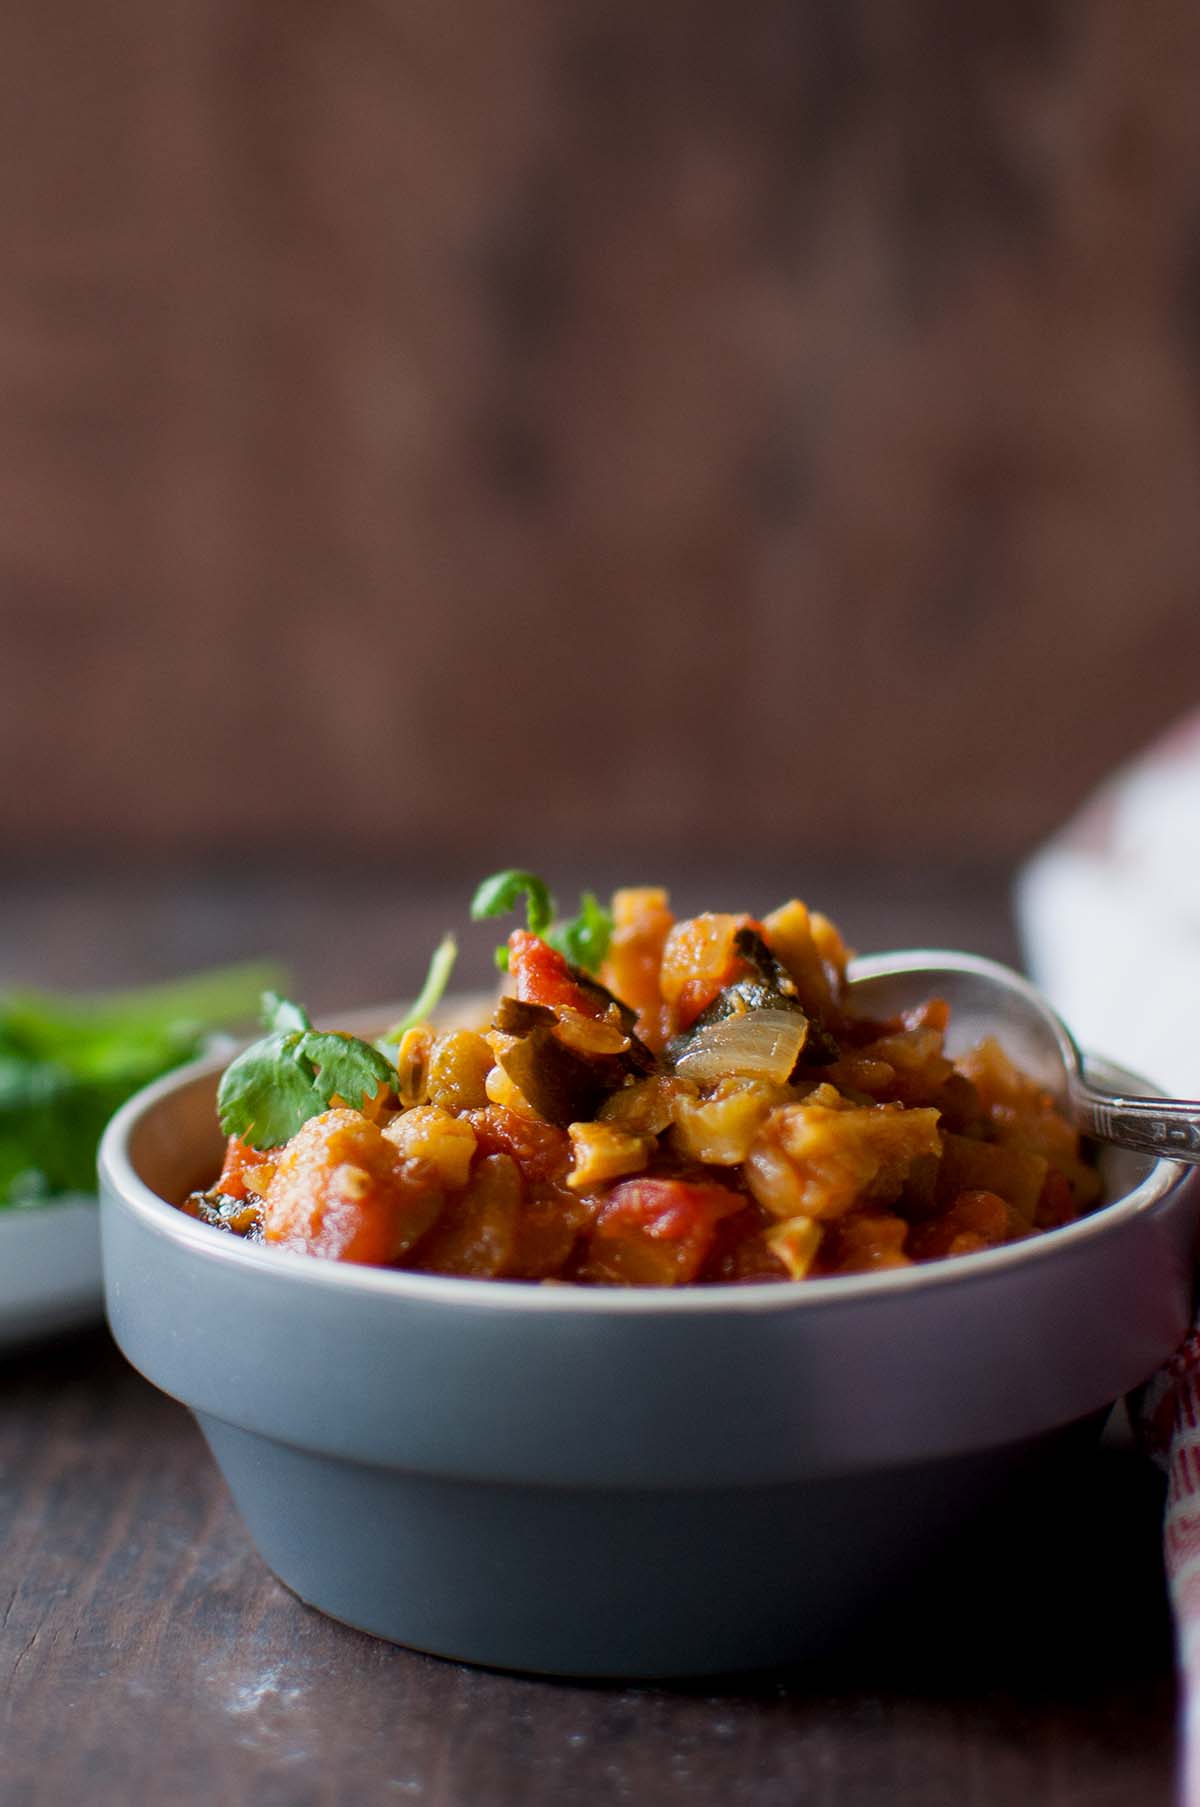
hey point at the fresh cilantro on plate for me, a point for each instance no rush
(67, 1063)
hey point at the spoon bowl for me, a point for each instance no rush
(986, 998)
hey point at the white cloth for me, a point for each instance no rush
(1109, 913)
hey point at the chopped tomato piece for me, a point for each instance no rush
(976, 1219)
(698, 961)
(477, 1234)
(541, 975)
(863, 1243)
(653, 1232)
(541, 1151)
(240, 1159)
(548, 1231)
(342, 1190)
(740, 1251)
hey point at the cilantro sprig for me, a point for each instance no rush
(584, 939)
(430, 995)
(295, 1072)
(502, 892)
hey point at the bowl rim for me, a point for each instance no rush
(121, 1182)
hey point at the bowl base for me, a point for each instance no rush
(594, 1582)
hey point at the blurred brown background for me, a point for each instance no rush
(523, 426)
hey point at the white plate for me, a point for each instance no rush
(50, 1278)
(49, 1270)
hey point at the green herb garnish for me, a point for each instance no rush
(295, 1072)
(280, 1013)
(583, 940)
(502, 892)
(67, 1063)
(436, 981)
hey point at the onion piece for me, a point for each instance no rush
(752, 1044)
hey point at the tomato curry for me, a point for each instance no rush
(702, 1107)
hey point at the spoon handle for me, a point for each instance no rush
(1168, 1127)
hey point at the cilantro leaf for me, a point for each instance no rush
(266, 1093)
(430, 996)
(281, 1013)
(585, 939)
(294, 1073)
(500, 893)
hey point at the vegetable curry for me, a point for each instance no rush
(652, 1103)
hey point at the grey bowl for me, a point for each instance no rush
(602, 1482)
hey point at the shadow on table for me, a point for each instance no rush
(1058, 1591)
(72, 1357)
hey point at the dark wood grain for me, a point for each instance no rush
(538, 421)
(147, 1654)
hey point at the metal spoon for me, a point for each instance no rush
(986, 998)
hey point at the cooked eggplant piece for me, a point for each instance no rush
(513, 1016)
(637, 1059)
(562, 1086)
(820, 1049)
(603, 995)
(771, 991)
(565, 1083)
(820, 1046)
(770, 969)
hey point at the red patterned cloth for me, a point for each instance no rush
(1167, 1413)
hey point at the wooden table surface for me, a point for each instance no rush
(146, 1653)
